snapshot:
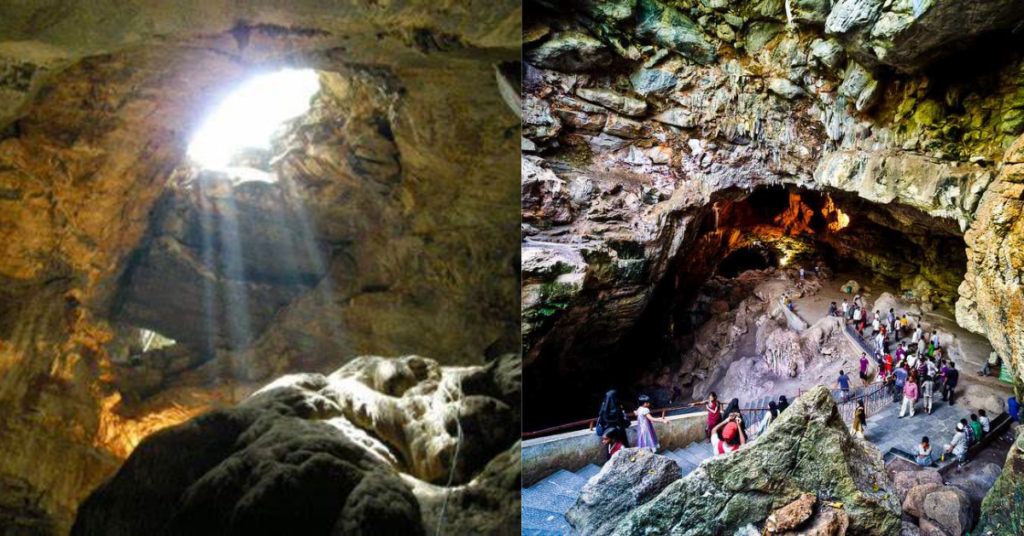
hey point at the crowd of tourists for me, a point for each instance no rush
(909, 373)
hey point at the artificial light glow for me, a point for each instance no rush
(248, 117)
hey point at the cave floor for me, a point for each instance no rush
(970, 350)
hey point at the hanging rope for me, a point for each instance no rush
(455, 458)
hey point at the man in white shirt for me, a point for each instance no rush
(917, 336)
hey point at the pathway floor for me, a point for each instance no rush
(886, 430)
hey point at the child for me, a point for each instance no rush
(924, 453)
(714, 409)
(611, 440)
(976, 427)
(986, 425)
(645, 436)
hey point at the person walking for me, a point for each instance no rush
(769, 417)
(916, 338)
(909, 397)
(859, 420)
(926, 391)
(876, 325)
(924, 453)
(611, 415)
(901, 380)
(864, 369)
(783, 404)
(646, 437)
(846, 308)
(843, 383)
(714, 409)
(949, 387)
(613, 440)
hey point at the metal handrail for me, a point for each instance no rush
(590, 423)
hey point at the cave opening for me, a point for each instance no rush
(756, 256)
(748, 245)
(235, 139)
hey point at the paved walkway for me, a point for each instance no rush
(886, 430)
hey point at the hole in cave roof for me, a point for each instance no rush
(240, 130)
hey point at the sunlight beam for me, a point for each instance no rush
(251, 114)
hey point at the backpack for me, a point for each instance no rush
(969, 432)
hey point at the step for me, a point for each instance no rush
(544, 500)
(567, 479)
(589, 471)
(556, 489)
(702, 447)
(691, 457)
(700, 454)
(685, 465)
(539, 532)
(535, 519)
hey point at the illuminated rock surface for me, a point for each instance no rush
(324, 455)
(388, 230)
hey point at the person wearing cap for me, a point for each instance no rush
(958, 446)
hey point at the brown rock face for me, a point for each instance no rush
(387, 229)
(792, 515)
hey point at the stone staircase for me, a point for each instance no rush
(545, 503)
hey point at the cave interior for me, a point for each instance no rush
(775, 228)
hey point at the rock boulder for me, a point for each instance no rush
(809, 450)
(631, 478)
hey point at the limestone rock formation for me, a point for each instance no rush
(331, 454)
(891, 165)
(631, 478)
(379, 222)
(809, 450)
(1002, 511)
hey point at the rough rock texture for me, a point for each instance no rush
(792, 515)
(949, 509)
(913, 502)
(322, 452)
(1002, 512)
(631, 478)
(384, 232)
(844, 101)
(808, 450)
(908, 480)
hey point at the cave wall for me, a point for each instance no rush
(98, 104)
(637, 113)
